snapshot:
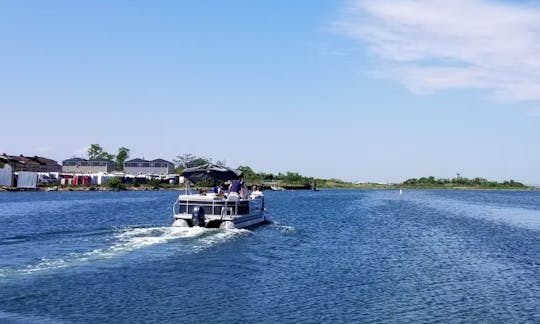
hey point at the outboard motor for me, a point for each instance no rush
(197, 216)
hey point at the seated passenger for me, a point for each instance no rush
(219, 192)
(256, 193)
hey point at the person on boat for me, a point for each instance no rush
(219, 193)
(235, 186)
(256, 192)
(243, 190)
(203, 192)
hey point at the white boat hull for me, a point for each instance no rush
(241, 221)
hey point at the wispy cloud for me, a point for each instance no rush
(429, 45)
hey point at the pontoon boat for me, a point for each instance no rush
(216, 210)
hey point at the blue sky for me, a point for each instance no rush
(358, 90)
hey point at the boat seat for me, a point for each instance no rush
(197, 197)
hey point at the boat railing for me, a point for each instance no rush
(228, 211)
(229, 206)
(176, 203)
(256, 204)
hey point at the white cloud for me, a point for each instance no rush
(429, 45)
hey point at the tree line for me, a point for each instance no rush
(188, 160)
(462, 181)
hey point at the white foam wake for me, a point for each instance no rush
(136, 238)
(283, 228)
(130, 239)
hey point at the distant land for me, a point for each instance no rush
(288, 180)
(283, 182)
(413, 183)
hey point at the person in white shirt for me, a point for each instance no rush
(256, 193)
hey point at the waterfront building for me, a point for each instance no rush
(78, 165)
(29, 163)
(141, 166)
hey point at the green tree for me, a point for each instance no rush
(116, 184)
(106, 156)
(267, 176)
(121, 157)
(188, 161)
(293, 177)
(247, 172)
(154, 183)
(94, 151)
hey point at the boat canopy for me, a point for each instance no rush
(211, 172)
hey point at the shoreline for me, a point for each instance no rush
(360, 187)
(89, 189)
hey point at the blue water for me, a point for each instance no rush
(344, 256)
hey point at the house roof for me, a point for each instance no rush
(85, 160)
(43, 161)
(8, 159)
(101, 160)
(146, 161)
(47, 161)
(74, 160)
(21, 159)
(162, 161)
(136, 160)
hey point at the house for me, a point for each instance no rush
(78, 165)
(29, 163)
(141, 166)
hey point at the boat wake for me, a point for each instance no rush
(283, 228)
(514, 216)
(129, 239)
(137, 238)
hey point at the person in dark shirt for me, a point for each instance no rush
(235, 186)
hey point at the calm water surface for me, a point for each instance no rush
(330, 256)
